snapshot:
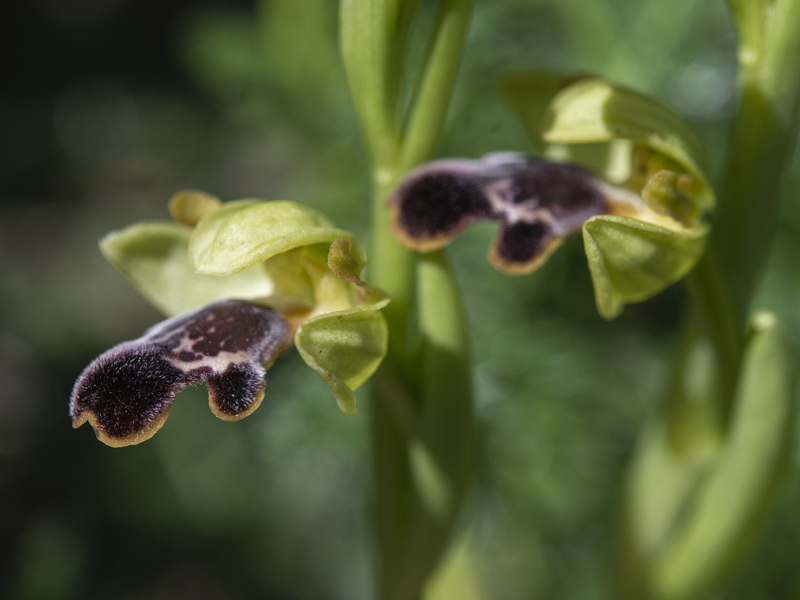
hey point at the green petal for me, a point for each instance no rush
(343, 264)
(673, 194)
(632, 260)
(154, 257)
(345, 348)
(291, 279)
(245, 232)
(189, 206)
(740, 486)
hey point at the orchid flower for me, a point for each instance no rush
(242, 282)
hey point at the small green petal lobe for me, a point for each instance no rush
(189, 206)
(154, 257)
(674, 195)
(245, 232)
(343, 264)
(344, 348)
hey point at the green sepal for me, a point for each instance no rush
(345, 347)
(153, 256)
(245, 232)
(592, 111)
(530, 94)
(631, 260)
(734, 498)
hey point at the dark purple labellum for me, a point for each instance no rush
(437, 202)
(126, 393)
(537, 204)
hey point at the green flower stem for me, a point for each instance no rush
(422, 404)
(392, 269)
(433, 97)
(761, 144)
(697, 428)
(715, 329)
(445, 366)
(393, 265)
(762, 140)
(370, 48)
(423, 439)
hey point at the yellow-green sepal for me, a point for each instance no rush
(345, 347)
(530, 94)
(153, 256)
(632, 260)
(592, 111)
(245, 232)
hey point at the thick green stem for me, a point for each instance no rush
(762, 139)
(760, 146)
(422, 405)
(392, 268)
(761, 143)
(683, 448)
(432, 100)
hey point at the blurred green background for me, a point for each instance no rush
(107, 107)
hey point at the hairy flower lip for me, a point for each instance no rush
(127, 392)
(281, 257)
(536, 203)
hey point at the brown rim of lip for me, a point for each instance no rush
(522, 268)
(133, 438)
(257, 400)
(429, 244)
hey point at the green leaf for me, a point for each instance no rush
(154, 257)
(345, 348)
(245, 232)
(732, 504)
(632, 260)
